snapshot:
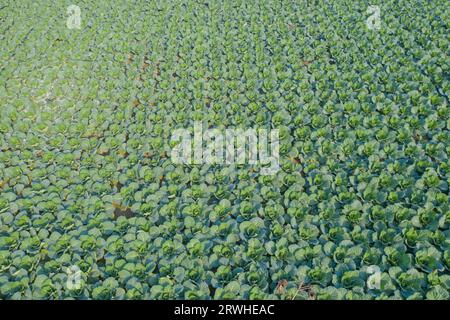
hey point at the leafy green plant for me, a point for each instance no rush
(358, 210)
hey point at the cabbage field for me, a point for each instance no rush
(92, 205)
